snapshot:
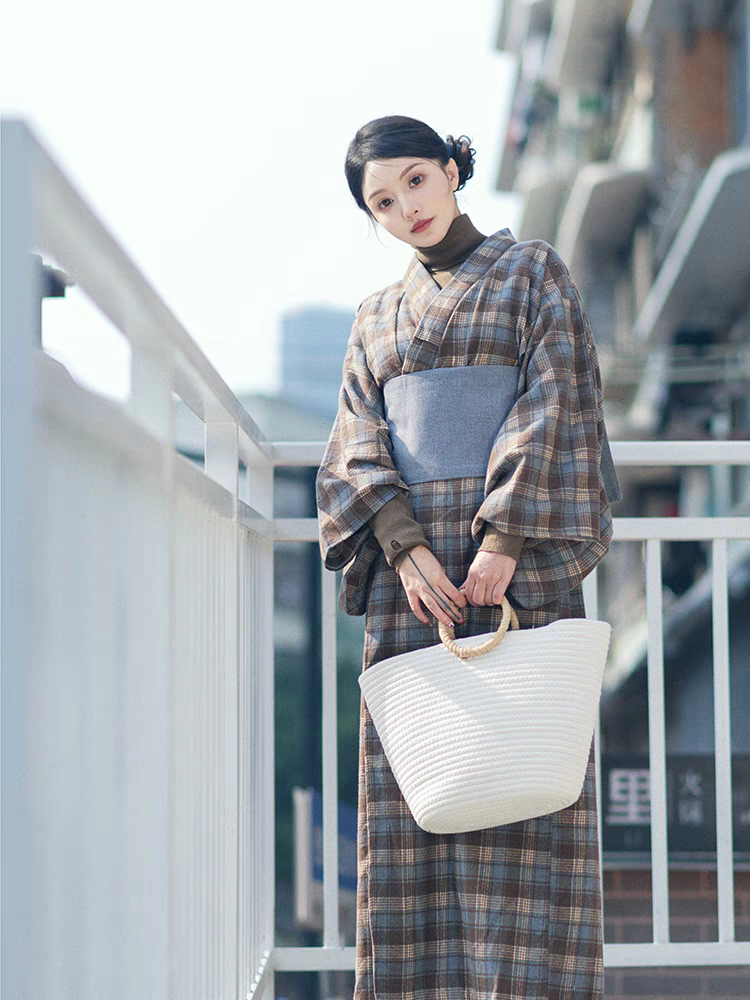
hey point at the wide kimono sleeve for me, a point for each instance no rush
(544, 478)
(356, 477)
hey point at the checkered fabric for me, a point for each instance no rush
(508, 303)
(511, 912)
(507, 913)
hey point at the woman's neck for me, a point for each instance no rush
(461, 239)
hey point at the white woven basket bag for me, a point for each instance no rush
(491, 729)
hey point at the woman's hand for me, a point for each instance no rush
(425, 581)
(488, 577)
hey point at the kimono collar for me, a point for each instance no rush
(429, 307)
(462, 237)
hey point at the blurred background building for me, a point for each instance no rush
(313, 343)
(629, 145)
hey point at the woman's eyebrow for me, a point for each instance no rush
(404, 171)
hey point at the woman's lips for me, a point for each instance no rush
(422, 226)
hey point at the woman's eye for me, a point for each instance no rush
(382, 205)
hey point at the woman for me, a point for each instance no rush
(468, 459)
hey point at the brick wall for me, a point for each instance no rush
(693, 917)
(693, 97)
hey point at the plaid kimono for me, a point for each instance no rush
(511, 912)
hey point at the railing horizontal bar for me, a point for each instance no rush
(67, 228)
(629, 956)
(297, 452)
(675, 528)
(704, 862)
(295, 529)
(616, 956)
(202, 487)
(626, 529)
(312, 959)
(101, 420)
(640, 453)
(251, 519)
(201, 398)
(637, 453)
(91, 416)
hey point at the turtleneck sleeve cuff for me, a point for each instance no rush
(397, 529)
(494, 540)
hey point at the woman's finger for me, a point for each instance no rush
(488, 578)
(416, 606)
(436, 608)
(425, 578)
(480, 590)
(455, 612)
(454, 593)
(432, 594)
(427, 583)
(441, 592)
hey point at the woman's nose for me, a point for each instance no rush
(409, 210)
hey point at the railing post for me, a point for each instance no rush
(591, 605)
(260, 485)
(150, 402)
(18, 303)
(331, 938)
(657, 744)
(722, 742)
(222, 464)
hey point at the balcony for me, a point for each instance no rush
(138, 656)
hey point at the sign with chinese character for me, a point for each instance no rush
(691, 805)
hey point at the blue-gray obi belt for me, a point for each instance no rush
(424, 410)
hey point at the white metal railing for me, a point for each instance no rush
(718, 530)
(652, 531)
(137, 653)
(137, 642)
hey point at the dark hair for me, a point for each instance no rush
(397, 135)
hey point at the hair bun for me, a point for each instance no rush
(462, 152)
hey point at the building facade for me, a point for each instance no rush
(629, 145)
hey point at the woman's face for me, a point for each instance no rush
(405, 191)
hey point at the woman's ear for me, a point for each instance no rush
(452, 169)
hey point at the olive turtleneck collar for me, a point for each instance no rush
(461, 239)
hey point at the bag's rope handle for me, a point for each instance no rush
(469, 652)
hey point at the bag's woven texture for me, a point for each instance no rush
(495, 739)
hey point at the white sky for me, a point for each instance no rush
(211, 140)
